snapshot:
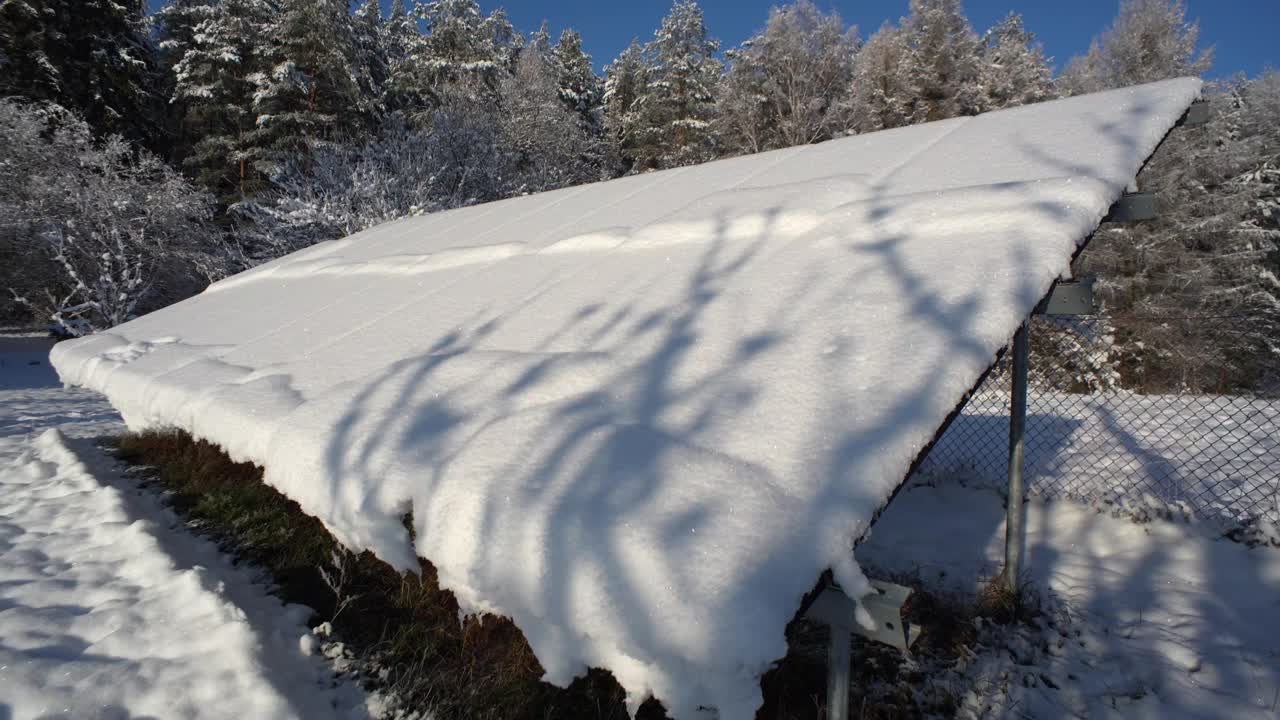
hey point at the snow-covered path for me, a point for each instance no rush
(105, 611)
(1153, 620)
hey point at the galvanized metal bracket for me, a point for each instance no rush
(1069, 297)
(1196, 115)
(1133, 207)
(832, 607)
(836, 610)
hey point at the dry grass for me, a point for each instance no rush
(405, 625)
(406, 634)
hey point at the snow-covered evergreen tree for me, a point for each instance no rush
(943, 61)
(882, 95)
(463, 55)
(678, 105)
(176, 23)
(310, 92)
(1015, 70)
(400, 36)
(90, 56)
(539, 43)
(788, 84)
(580, 89)
(1150, 40)
(372, 63)
(625, 86)
(215, 81)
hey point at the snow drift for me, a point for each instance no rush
(641, 417)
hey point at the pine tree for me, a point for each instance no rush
(399, 40)
(215, 81)
(539, 43)
(1015, 70)
(90, 56)
(1150, 40)
(680, 96)
(788, 84)
(310, 93)
(883, 95)
(26, 38)
(463, 54)
(372, 64)
(625, 86)
(942, 61)
(580, 89)
(176, 24)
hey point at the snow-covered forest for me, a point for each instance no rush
(145, 155)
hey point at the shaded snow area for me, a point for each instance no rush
(1150, 620)
(1170, 449)
(107, 612)
(641, 417)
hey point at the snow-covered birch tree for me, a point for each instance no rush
(788, 84)
(93, 232)
(543, 142)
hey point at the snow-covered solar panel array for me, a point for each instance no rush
(641, 417)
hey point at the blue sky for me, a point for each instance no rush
(1244, 32)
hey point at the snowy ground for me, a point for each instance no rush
(1218, 456)
(1151, 620)
(107, 612)
(639, 417)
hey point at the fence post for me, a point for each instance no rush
(1015, 530)
(838, 673)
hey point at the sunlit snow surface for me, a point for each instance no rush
(640, 417)
(108, 609)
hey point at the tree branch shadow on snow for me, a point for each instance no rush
(597, 440)
(1230, 635)
(600, 459)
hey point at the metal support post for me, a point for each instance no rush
(838, 611)
(1015, 530)
(838, 673)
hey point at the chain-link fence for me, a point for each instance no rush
(1167, 446)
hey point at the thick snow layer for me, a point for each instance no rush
(641, 417)
(1149, 620)
(104, 612)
